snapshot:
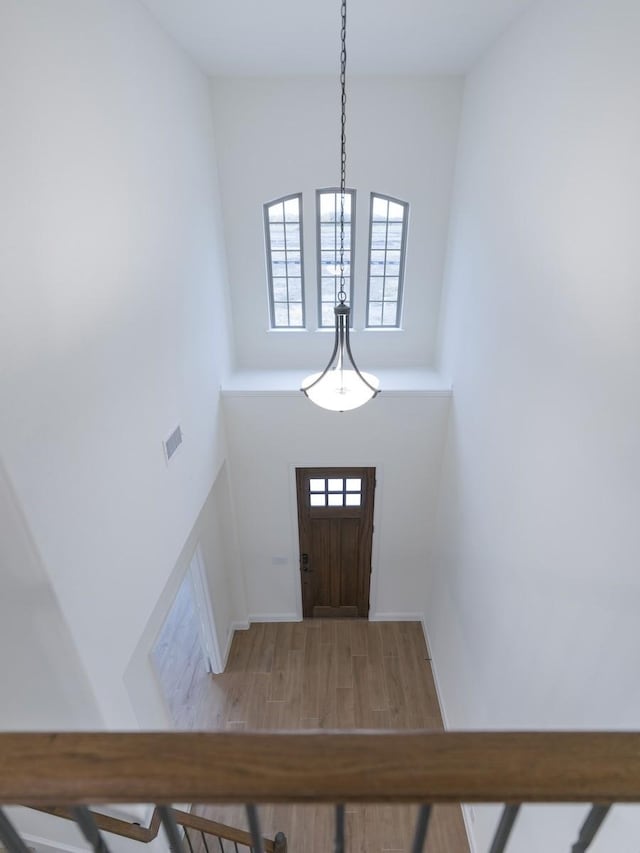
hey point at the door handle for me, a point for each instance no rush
(304, 562)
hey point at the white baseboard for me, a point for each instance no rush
(434, 669)
(466, 815)
(274, 617)
(396, 617)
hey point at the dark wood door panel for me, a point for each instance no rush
(335, 517)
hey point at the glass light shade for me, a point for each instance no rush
(340, 390)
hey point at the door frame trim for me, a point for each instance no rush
(206, 618)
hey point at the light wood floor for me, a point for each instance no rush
(326, 674)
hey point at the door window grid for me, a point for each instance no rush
(328, 241)
(387, 246)
(335, 491)
(283, 234)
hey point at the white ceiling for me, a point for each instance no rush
(273, 37)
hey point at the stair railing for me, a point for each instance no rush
(512, 768)
(203, 827)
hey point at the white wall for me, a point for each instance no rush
(533, 611)
(270, 435)
(281, 135)
(37, 655)
(112, 328)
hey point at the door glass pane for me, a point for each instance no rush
(317, 500)
(336, 485)
(353, 499)
(317, 485)
(335, 500)
(354, 484)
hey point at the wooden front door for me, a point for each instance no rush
(335, 523)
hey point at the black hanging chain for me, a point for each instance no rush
(343, 143)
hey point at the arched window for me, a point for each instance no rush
(387, 246)
(283, 234)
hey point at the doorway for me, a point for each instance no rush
(335, 525)
(185, 652)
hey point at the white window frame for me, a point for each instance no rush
(403, 252)
(351, 251)
(269, 259)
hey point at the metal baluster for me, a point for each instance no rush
(10, 837)
(588, 830)
(338, 844)
(221, 845)
(254, 828)
(204, 841)
(90, 830)
(171, 829)
(509, 815)
(186, 835)
(235, 844)
(422, 825)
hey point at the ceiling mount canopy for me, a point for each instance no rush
(341, 386)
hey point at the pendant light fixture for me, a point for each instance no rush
(341, 386)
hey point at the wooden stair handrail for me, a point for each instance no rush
(237, 767)
(145, 834)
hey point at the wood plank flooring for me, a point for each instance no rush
(328, 674)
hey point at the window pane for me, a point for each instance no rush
(336, 485)
(353, 499)
(327, 207)
(391, 288)
(280, 290)
(295, 290)
(296, 318)
(377, 259)
(328, 234)
(276, 212)
(329, 290)
(335, 500)
(276, 234)
(380, 209)
(375, 289)
(317, 485)
(278, 265)
(293, 236)
(293, 266)
(354, 484)
(375, 314)
(281, 311)
(292, 210)
(393, 262)
(317, 500)
(389, 314)
(378, 235)
(328, 262)
(328, 317)
(396, 212)
(394, 236)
